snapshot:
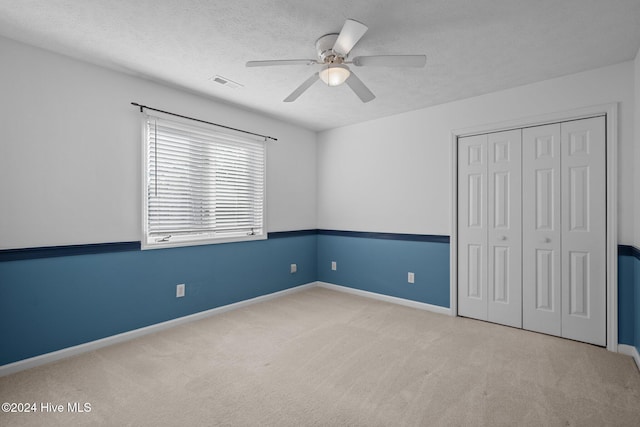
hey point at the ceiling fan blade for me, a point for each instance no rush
(390, 61)
(359, 88)
(351, 32)
(281, 62)
(300, 89)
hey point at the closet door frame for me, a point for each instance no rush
(610, 112)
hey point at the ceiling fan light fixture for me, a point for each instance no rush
(334, 74)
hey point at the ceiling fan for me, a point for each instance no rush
(333, 50)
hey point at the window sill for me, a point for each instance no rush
(145, 245)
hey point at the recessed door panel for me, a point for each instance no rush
(476, 155)
(579, 198)
(501, 274)
(545, 146)
(475, 272)
(476, 199)
(541, 278)
(579, 284)
(545, 280)
(578, 140)
(501, 152)
(501, 200)
(544, 192)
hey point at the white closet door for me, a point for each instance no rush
(541, 230)
(504, 228)
(583, 230)
(472, 227)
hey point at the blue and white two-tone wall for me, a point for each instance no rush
(373, 197)
(393, 174)
(380, 263)
(70, 184)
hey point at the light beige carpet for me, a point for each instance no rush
(320, 357)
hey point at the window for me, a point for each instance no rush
(201, 185)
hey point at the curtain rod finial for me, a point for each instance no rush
(138, 105)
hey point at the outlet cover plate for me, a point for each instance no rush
(180, 290)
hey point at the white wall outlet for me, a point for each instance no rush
(334, 265)
(294, 268)
(180, 290)
(411, 278)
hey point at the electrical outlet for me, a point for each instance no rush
(180, 290)
(411, 278)
(294, 268)
(334, 265)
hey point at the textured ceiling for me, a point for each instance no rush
(472, 47)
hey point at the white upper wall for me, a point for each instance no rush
(70, 157)
(393, 174)
(70, 152)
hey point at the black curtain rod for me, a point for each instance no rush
(142, 107)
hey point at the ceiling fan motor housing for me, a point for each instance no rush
(324, 47)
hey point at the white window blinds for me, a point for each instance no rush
(201, 185)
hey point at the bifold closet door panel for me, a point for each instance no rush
(541, 230)
(472, 227)
(504, 228)
(584, 230)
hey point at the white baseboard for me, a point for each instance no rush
(387, 298)
(630, 350)
(126, 336)
(43, 359)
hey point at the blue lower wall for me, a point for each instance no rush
(381, 266)
(627, 299)
(636, 318)
(629, 296)
(51, 303)
(636, 311)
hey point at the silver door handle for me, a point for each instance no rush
(502, 238)
(545, 240)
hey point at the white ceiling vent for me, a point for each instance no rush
(226, 82)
